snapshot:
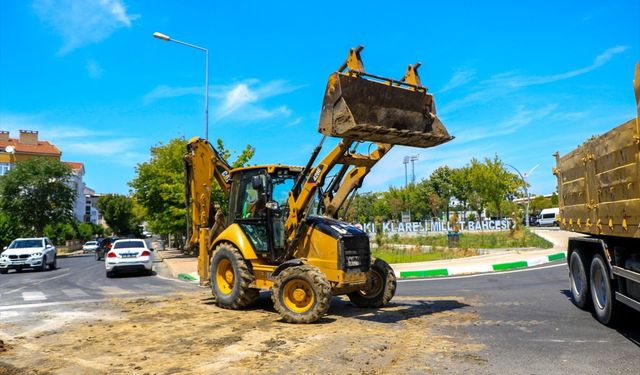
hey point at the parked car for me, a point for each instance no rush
(549, 217)
(89, 246)
(104, 245)
(38, 253)
(129, 255)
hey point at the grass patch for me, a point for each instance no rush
(414, 251)
(493, 240)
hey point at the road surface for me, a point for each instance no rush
(517, 322)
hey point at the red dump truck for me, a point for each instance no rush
(599, 195)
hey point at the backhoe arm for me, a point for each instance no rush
(203, 165)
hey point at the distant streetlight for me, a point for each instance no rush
(526, 191)
(413, 170)
(405, 162)
(166, 38)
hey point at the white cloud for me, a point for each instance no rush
(94, 69)
(460, 77)
(504, 85)
(85, 22)
(519, 119)
(512, 80)
(242, 101)
(71, 139)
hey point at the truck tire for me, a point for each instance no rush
(579, 280)
(381, 285)
(301, 294)
(230, 278)
(604, 304)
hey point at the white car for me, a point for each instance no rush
(38, 253)
(129, 255)
(89, 246)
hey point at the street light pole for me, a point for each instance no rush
(166, 38)
(405, 162)
(413, 169)
(526, 192)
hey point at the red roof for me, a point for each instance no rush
(42, 147)
(74, 165)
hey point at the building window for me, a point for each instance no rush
(4, 168)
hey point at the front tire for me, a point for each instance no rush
(381, 286)
(230, 279)
(579, 280)
(54, 264)
(109, 274)
(4, 271)
(301, 294)
(604, 305)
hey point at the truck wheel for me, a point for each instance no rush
(579, 281)
(301, 294)
(604, 304)
(381, 286)
(230, 279)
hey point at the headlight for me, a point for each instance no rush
(36, 254)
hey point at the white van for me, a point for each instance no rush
(549, 217)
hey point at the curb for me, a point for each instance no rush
(478, 268)
(188, 276)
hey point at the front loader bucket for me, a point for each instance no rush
(380, 110)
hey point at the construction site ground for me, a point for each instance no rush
(187, 334)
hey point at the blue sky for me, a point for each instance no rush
(520, 80)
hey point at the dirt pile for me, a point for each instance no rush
(187, 334)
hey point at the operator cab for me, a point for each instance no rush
(258, 203)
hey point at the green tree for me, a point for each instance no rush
(159, 185)
(441, 183)
(8, 230)
(492, 182)
(36, 193)
(117, 211)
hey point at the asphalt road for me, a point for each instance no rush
(524, 319)
(44, 300)
(529, 325)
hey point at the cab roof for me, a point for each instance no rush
(270, 168)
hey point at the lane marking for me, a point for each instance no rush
(33, 296)
(482, 274)
(114, 290)
(46, 304)
(37, 283)
(75, 293)
(570, 341)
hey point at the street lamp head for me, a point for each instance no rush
(161, 36)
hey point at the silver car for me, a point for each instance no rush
(38, 253)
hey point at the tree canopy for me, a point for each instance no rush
(118, 213)
(477, 186)
(159, 185)
(35, 193)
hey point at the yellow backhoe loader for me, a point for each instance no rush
(281, 232)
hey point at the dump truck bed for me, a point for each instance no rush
(599, 184)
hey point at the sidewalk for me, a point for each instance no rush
(186, 267)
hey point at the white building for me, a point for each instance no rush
(77, 185)
(91, 211)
